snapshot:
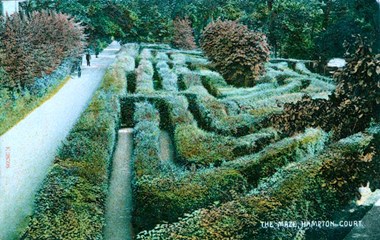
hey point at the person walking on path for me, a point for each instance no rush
(79, 71)
(88, 58)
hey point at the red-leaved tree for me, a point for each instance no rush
(238, 53)
(183, 36)
(37, 44)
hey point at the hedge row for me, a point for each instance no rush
(173, 110)
(166, 198)
(167, 77)
(146, 54)
(144, 77)
(321, 184)
(290, 87)
(274, 156)
(235, 92)
(71, 202)
(268, 105)
(127, 56)
(187, 79)
(146, 154)
(195, 146)
(212, 115)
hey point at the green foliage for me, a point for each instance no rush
(36, 45)
(238, 53)
(71, 202)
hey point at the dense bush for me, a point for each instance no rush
(319, 184)
(238, 53)
(71, 202)
(36, 45)
(183, 34)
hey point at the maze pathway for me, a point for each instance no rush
(119, 202)
(28, 149)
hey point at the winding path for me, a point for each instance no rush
(28, 149)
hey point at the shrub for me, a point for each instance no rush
(238, 53)
(37, 44)
(183, 34)
(71, 201)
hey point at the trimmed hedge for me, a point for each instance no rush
(173, 110)
(144, 77)
(167, 77)
(290, 87)
(166, 198)
(212, 115)
(146, 136)
(321, 184)
(195, 146)
(71, 202)
(274, 156)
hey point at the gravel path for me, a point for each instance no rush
(28, 149)
(119, 201)
(166, 147)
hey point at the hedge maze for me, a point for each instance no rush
(231, 168)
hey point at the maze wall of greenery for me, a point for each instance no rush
(319, 184)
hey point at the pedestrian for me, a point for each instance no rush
(88, 58)
(79, 71)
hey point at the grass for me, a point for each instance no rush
(14, 111)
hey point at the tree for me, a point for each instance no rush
(238, 53)
(37, 44)
(183, 34)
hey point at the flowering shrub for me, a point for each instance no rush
(36, 45)
(183, 36)
(238, 53)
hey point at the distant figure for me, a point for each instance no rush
(88, 58)
(96, 52)
(79, 71)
